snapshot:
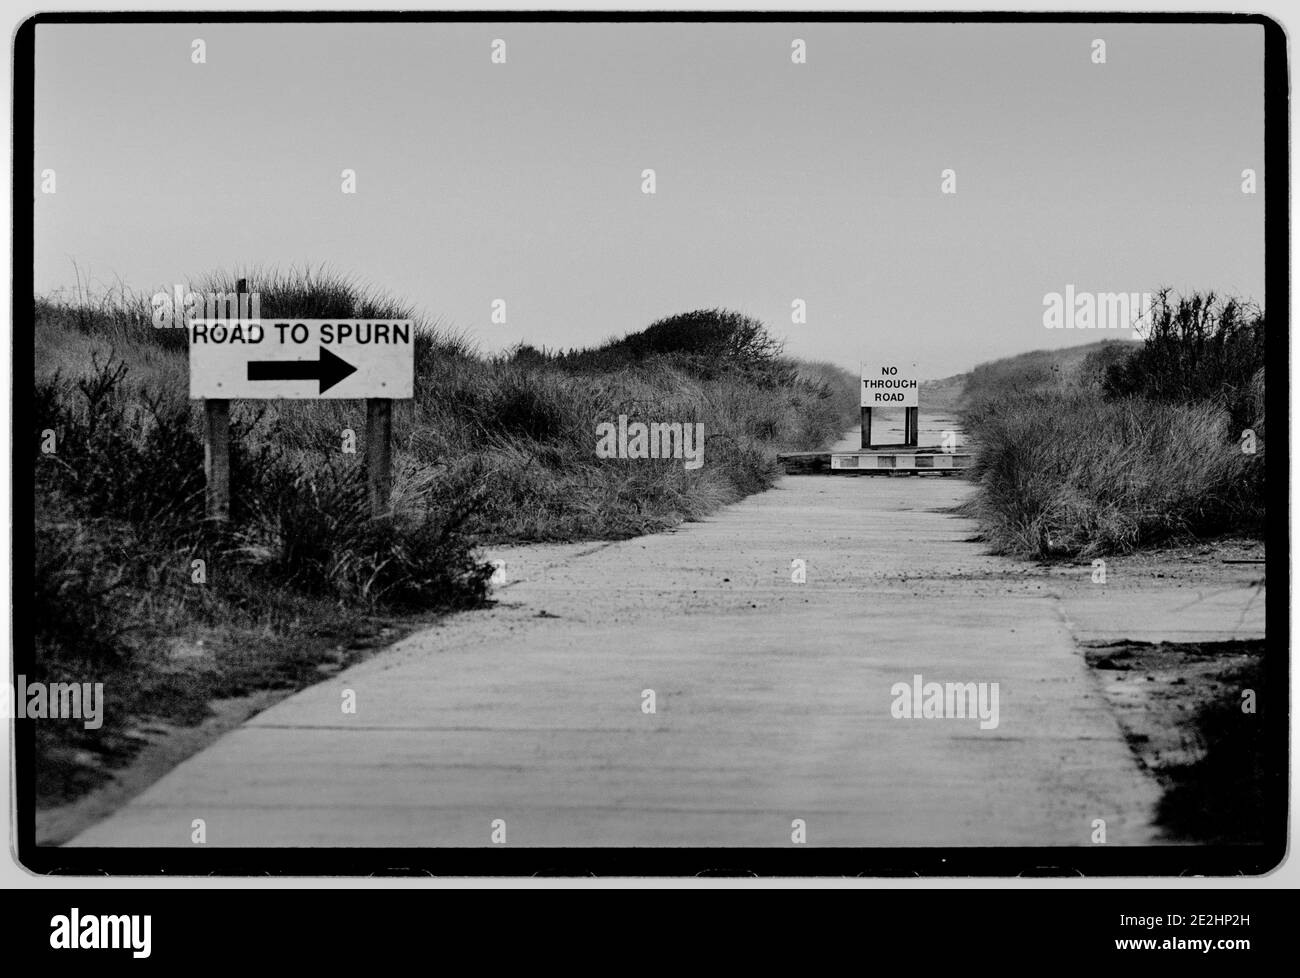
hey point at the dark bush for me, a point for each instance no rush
(1099, 364)
(315, 533)
(1199, 347)
(703, 342)
(78, 569)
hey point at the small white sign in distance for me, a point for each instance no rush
(893, 384)
(305, 359)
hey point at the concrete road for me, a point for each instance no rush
(772, 702)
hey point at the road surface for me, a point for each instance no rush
(772, 702)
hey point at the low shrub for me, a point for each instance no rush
(1124, 445)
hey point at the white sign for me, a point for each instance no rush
(890, 385)
(302, 358)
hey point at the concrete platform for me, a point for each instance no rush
(905, 461)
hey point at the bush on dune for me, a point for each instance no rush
(703, 341)
(528, 418)
(1066, 474)
(1197, 348)
(1130, 446)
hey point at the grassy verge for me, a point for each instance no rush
(1124, 445)
(133, 588)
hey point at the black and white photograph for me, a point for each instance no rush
(650, 444)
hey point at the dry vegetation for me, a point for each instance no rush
(1124, 445)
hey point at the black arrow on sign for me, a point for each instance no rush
(329, 370)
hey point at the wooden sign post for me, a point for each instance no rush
(216, 457)
(300, 359)
(379, 453)
(216, 447)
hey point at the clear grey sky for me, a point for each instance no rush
(776, 181)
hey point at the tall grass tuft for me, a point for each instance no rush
(1124, 445)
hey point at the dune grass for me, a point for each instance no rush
(1125, 445)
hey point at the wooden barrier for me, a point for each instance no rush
(874, 463)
